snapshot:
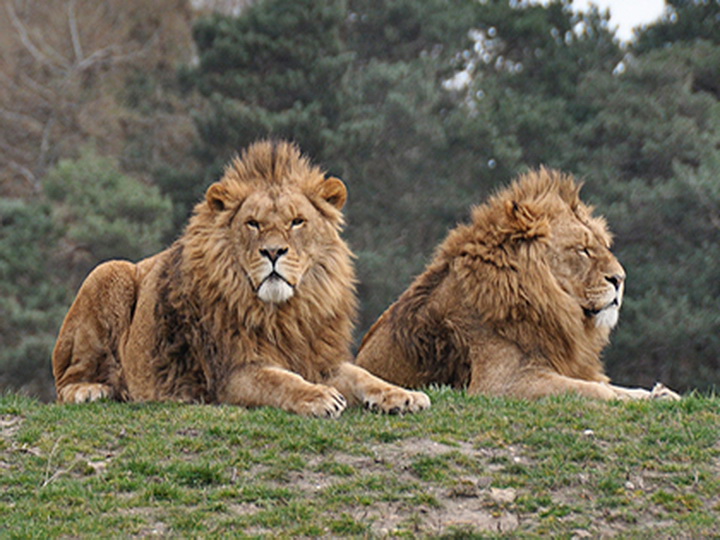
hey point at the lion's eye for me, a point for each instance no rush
(297, 222)
(585, 252)
(253, 224)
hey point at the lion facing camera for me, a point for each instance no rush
(253, 305)
(519, 302)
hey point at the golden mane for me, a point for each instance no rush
(208, 271)
(270, 163)
(499, 259)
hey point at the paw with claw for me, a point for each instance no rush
(395, 400)
(84, 392)
(321, 401)
(660, 391)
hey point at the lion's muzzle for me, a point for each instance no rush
(608, 315)
(275, 288)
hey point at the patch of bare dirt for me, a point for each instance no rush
(470, 503)
(467, 498)
(469, 514)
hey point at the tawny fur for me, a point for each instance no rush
(519, 302)
(253, 305)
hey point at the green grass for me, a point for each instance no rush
(469, 467)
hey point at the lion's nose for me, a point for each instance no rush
(273, 253)
(616, 280)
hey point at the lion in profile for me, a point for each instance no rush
(253, 305)
(519, 302)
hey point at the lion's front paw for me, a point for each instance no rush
(321, 400)
(83, 392)
(660, 391)
(397, 400)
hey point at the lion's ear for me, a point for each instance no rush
(217, 197)
(333, 191)
(525, 221)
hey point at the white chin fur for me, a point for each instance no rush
(275, 291)
(608, 317)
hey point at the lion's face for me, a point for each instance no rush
(277, 232)
(280, 235)
(584, 266)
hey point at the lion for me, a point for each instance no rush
(520, 302)
(253, 305)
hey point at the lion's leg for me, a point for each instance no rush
(659, 391)
(534, 384)
(85, 362)
(509, 374)
(537, 384)
(257, 386)
(360, 386)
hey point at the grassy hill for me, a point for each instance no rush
(469, 467)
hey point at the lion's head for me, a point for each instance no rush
(280, 231)
(576, 246)
(559, 251)
(270, 227)
(584, 267)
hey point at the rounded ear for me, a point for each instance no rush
(333, 191)
(525, 221)
(518, 213)
(217, 197)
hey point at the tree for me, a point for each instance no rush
(64, 66)
(667, 240)
(32, 299)
(649, 150)
(640, 123)
(103, 214)
(684, 21)
(72, 73)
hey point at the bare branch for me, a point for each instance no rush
(74, 33)
(27, 174)
(101, 56)
(45, 143)
(21, 118)
(108, 55)
(25, 38)
(42, 93)
(47, 95)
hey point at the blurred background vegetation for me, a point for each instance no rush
(115, 116)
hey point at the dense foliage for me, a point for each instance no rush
(423, 108)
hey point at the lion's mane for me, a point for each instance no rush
(205, 282)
